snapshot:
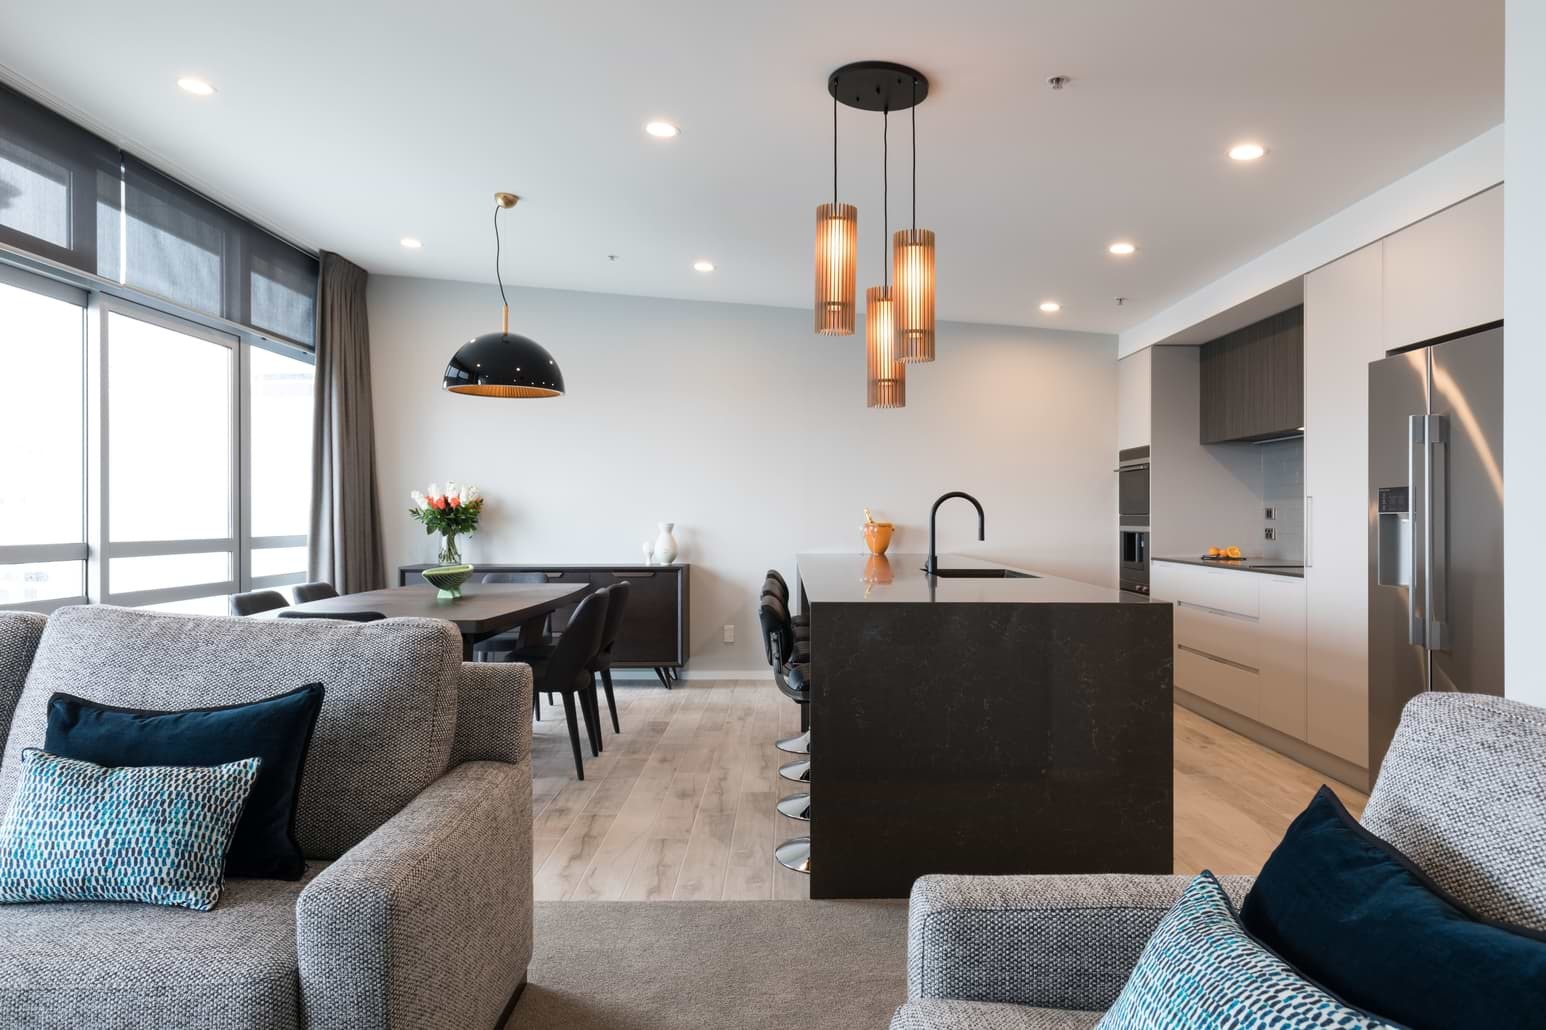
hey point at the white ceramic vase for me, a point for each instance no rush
(665, 544)
(649, 552)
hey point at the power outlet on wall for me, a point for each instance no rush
(1270, 533)
(1272, 513)
(729, 633)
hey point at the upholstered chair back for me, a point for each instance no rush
(1462, 792)
(388, 715)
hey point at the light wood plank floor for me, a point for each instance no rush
(680, 805)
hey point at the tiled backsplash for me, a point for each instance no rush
(1283, 489)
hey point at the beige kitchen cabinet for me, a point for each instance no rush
(1281, 653)
(1239, 640)
(1342, 334)
(1444, 273)
(1134, 400)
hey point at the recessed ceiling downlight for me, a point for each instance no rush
(662, 130)
(195, 85)
(1246, 151)
(1122, 248)
(702, 265)
(1051, 306)
(409, 243)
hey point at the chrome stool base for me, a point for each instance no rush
(796, 772)
(796, 806)
(795, 855)
(800, 745)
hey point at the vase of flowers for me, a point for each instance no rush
(452, 513)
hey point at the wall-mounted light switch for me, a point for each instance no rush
(729, 633)
(1270, 533)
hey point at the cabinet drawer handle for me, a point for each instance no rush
(632, 575)
(1222, 661)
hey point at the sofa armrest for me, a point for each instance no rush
(427, 923)
(493, 713)
(1057, 942)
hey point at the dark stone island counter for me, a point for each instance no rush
(978, 724)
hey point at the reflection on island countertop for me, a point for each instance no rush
(899, 578)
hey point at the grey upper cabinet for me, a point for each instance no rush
(1251, 382)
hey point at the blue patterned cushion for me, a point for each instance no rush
(82, 832)
(1201, 970)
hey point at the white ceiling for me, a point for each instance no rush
(347, 124)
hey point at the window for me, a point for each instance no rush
(42, 510)
(191, 458)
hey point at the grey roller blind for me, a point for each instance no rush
(59, 187)
(190, 250)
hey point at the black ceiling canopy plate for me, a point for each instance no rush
(878, 86)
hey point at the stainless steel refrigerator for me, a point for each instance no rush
(1435, 525)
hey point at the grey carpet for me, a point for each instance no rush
(750, 965)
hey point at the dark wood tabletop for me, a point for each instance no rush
(483, 610)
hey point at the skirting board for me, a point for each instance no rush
(1337, 768)
(686, 673)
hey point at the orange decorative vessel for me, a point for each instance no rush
(877, 535)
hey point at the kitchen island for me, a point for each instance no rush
(988, 720)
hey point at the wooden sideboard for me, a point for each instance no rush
(654, 634)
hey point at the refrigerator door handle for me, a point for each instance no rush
(1417, 494)
(1309, 531)
(1435, 552)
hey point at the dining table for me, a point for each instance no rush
(484, 610)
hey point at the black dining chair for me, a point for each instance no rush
(318, 591)
(255, 601)
(601, 665)
(511, 640)
(566, 670)
(344, 616)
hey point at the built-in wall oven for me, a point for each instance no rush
(1133, 518)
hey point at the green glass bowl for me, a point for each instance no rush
(449, 579)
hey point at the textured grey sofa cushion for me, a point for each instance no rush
(1462, 792)
(493, 713)
(132, 967)
(19, 635)
(387, 720)
(982, 1015)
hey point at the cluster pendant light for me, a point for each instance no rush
(899, 313)
(503, 364)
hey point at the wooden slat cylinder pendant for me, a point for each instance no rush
(912, 272)
(886, 377)
(837, 239)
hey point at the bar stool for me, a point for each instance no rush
(775, 584)
(794, 681)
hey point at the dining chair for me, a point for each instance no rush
(601, 665)
(511, 639)
(255, 601)
(344, 616)
(318, 591)
(566, 671)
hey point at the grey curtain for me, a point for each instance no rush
(345, 547)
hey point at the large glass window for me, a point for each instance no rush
(190, 448)
(42, 419)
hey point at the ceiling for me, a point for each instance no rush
(347, 124)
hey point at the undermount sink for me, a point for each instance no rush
(981, 574)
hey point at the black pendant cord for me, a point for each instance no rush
(834, 153)
(914, 113)
(497, 277)
(885, 201)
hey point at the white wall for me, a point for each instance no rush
(749, 432)
(1463, 172)
(1524, 416)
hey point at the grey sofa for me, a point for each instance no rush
(1462, 792)
(414, 812)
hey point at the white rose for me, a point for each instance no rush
(434, 490)
(419, 500)
(474, 494)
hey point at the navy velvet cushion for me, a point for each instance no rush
(1355, 915)
(277, 730)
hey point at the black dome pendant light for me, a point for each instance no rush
(503, 364)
